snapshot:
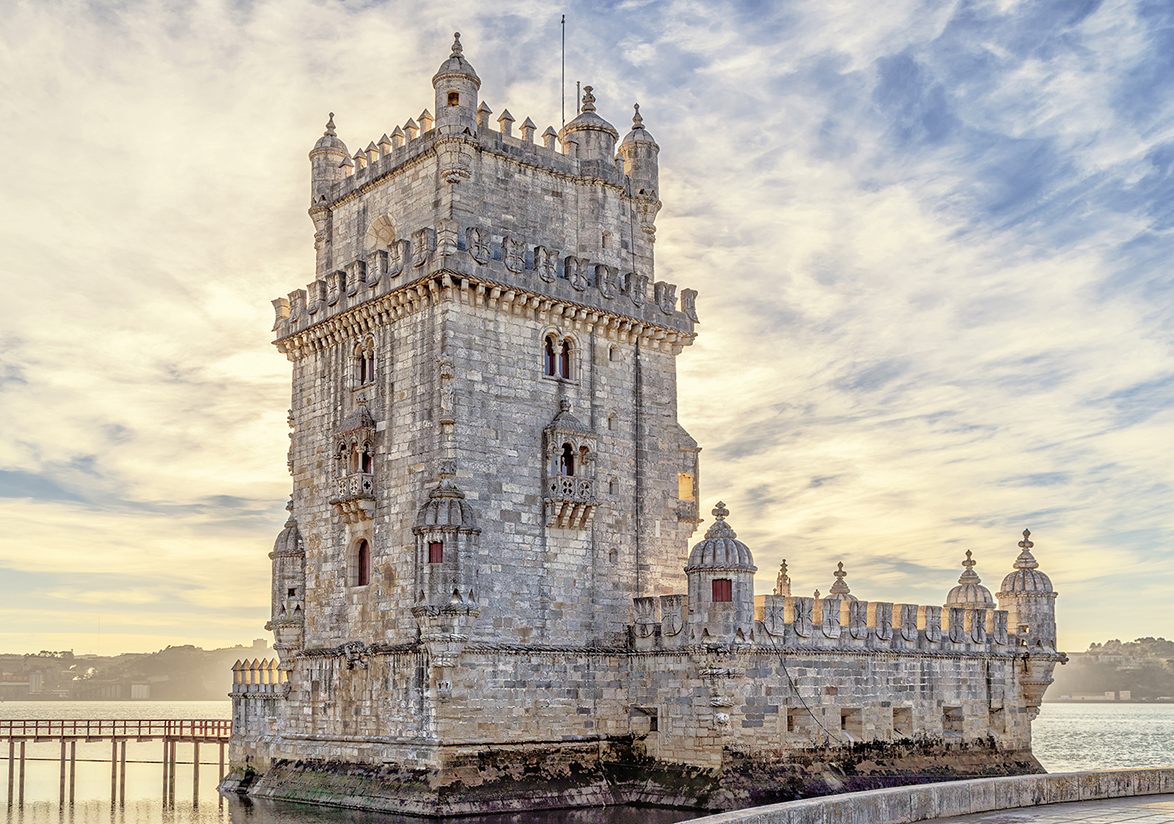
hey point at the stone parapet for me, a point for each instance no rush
(898, 805)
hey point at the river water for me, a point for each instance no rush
(1067, 737)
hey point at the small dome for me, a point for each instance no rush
(720, 550)
(970, 592)
(456, 65)
(289, 540)
(588, 120)
(358, 420)
(329, 140)
(1026, 577)
(840, 590)
(446, 506)
(638, 134)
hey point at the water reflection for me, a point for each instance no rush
(232, 810)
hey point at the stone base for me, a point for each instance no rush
(616, 772)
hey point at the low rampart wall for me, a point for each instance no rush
(898, 805)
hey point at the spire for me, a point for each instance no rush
(1026, 560)
(969, 576)
(457, 48)
(329, 127)
(637, 120)
(588, 100)
(783, 581)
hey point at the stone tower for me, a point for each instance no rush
(484, 434)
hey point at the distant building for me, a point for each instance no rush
(485, 590)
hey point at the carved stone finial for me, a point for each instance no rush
(969, 576)
(783, 581)
(330, 127)
(720, 512)
(840, 587)
(564, 405)
(588, 100)
(289, 508)
(1026, 560)
(362, 399)
(447, 470)
(637, 120)
(815, 595)
(457, 48)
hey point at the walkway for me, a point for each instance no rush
(1151, 809)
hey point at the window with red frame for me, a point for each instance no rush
(723, 590)
(436, 552)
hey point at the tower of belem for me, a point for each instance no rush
(484, 597)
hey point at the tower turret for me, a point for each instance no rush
(326, 163)
(721, 585)
(640, 154)
(456, 85)
(1030, 601)
(595, 137)
(288, 618)
(970, 592)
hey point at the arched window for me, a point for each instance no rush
(723, 590)
(364, 360)
(564, 360)
(549, 359)
(567, 462)
(454, 98)
(366, 461)
(363, 564)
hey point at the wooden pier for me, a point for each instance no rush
(171, 732)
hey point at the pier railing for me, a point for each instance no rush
(214, 730)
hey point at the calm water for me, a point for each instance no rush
(1067, 737)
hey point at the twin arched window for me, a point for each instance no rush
(556, 357)
(567, 461)
(356, 458)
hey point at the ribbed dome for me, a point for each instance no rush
(970, 592)
(638, 134)
(1026, 577)
(289, 540)
(456, 65)
(720, 549)
(446, 506)
(588, 120)
(329, 140)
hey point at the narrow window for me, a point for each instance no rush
(365, 463)
(723, 590)
(550, 360)
(436, 552)
(611, 423)
(613, 487)
(613, 354)
(363, 562)
(567, 462)
(653, 721)
(454, 98)
(564, 360)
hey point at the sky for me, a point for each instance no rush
(931, 241)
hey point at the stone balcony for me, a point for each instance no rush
(354, 497)
(570, 502)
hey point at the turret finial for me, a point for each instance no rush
(457, 48)
(1026, 560)
(330, 127)
(564, 404)
(637, 120)
(588, 100)
(969, 576)
(783, 581)
(720, 512)
(1026, 542)
(447, 470)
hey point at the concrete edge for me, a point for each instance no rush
(923, 802)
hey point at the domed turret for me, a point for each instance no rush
(1029, 599)
(840, 590)
(595, 136)
(326, 163)
(721, 585)
(446, 537)
(456, 85)
(970, 592)
(289, 588)
(640, 154)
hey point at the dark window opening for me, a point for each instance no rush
(567, 460)
(454, 98)
(550, 363)
(365, 463)
(436, 552)
(653, 722)
(723, 590)
(292, 592)
(364, 564)
(564, 360)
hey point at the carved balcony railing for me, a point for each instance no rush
(570, 502)
(355, 497)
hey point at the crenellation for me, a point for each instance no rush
(487, 559)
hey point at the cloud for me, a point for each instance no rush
(931, 243)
